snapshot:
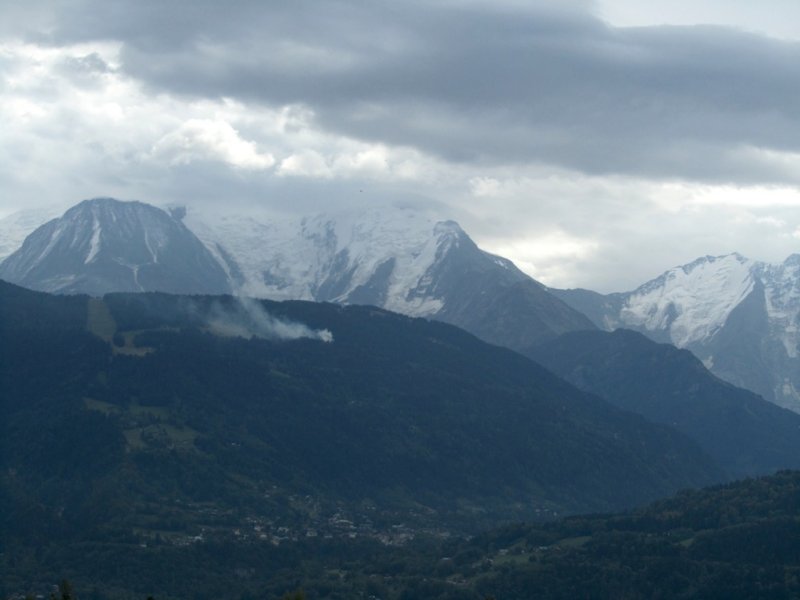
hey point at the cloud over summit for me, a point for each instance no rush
(574, 128)
(479, 83)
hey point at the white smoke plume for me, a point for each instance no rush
(247, 318)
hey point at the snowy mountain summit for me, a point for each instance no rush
(370, 257)
(396, 259)
(739, 316)
(103, 245)
(692, 302)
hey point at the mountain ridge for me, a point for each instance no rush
(746, 434)
(400, 260)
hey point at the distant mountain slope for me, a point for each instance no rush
(105, 245)
(142, 398)
(740, 317)
(15, 227)
(743, 432)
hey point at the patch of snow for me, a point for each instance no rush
(135, 269)
(95, 242)
(54, 239)
(788, 396)
(501, 262)
(153, 253)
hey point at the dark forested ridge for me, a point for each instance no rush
(138, 431)
(736, 541)
(745, 433)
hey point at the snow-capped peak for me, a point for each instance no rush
(353, 256)
(692, 301)
(103, 245)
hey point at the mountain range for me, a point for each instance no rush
(739, 316)
(398, 260)
(132, 418)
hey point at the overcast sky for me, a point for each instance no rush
(595, 143)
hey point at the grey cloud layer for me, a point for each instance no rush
(522, 115)
(480, 84)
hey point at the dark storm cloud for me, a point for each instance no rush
(482, 84)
